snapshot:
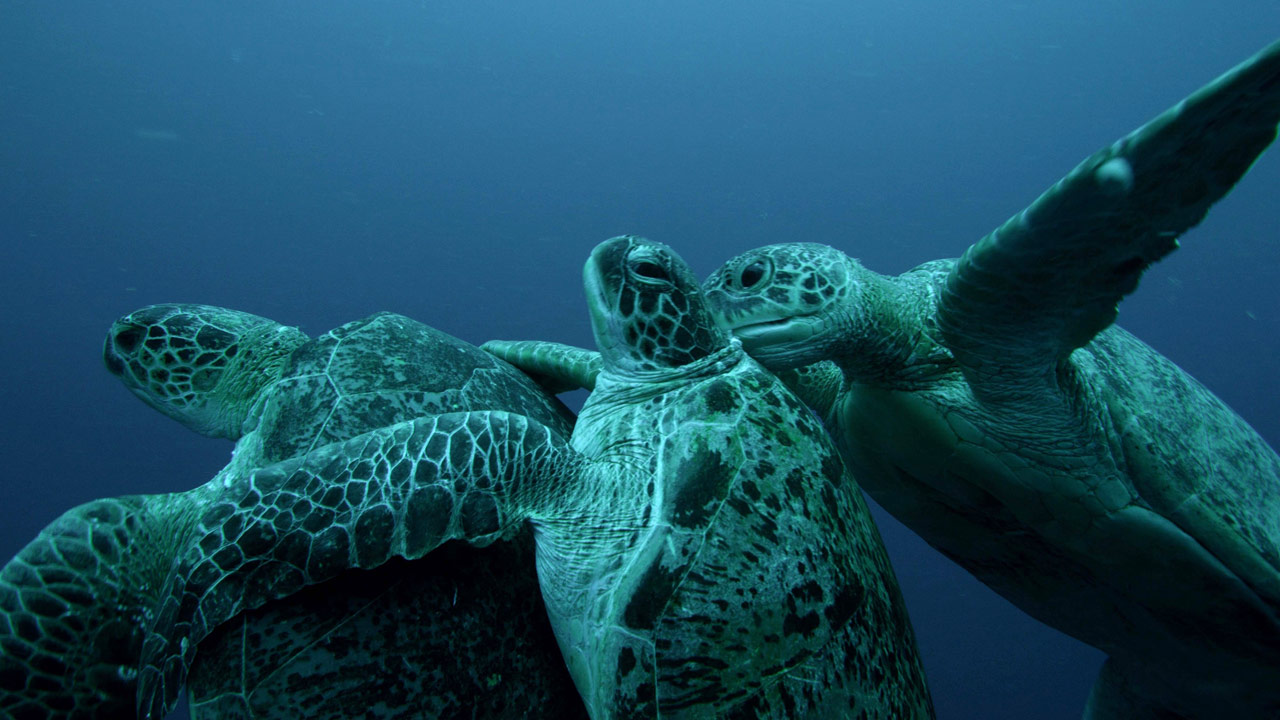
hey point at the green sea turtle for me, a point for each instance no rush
(699, 547)
(991, 406)
(730, 605)
(459, 633)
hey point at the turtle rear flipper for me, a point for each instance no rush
(1048, 280)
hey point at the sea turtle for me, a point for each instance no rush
(463, 633)
(699, 548)
(990, 405)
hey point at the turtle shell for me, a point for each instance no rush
(381, 370)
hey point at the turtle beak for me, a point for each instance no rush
(602, 280)
(783, 331)
(599, 306)
(783, 343)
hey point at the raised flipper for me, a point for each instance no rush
(399, 491)
(1048, 280)
(556, 367)
(75, 603)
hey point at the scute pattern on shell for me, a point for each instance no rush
(381, 370)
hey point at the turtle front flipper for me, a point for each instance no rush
(554, 366)
(1048, 280)
(75, 604)
(398, 491)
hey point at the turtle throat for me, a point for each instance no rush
(886, 339)
(880, 338)
(261, 362)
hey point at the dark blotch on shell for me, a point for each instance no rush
(704, 481)
(652, 593)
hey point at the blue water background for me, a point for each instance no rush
(455, 161)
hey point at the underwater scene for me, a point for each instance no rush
(268, 172)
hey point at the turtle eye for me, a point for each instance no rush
(650, 270)
(754, 274)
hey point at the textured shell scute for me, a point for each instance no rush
(379, 371)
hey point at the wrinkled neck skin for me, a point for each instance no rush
(884, 338)
(891, 341)
(244, 385)
(630, 386)
(819, 386)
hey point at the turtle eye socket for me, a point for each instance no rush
(649, 270)
(127, 340)
(755, 274)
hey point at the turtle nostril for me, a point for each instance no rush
(752, 274)
(127, 340)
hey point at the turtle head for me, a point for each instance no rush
(790, 304)
(201, 365)
(647, 310)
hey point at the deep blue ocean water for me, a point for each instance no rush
(455, 161)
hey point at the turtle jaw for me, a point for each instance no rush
(783, 343)
(778, 332)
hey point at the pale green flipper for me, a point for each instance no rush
(988, 404)
(463, 631)
(557, 367)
